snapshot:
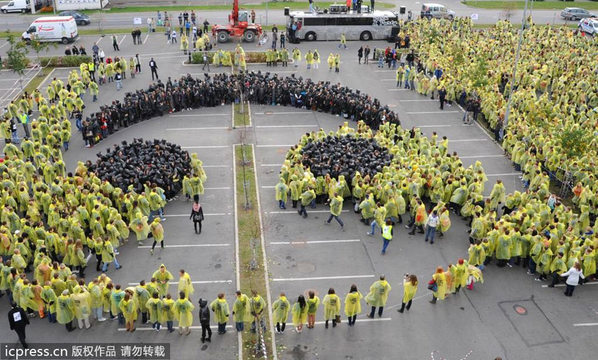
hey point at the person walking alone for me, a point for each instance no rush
(154, 68)
(18, 321)
(387, 233)
(409, 290)
(336, 206)
(431, 225)
(377, 296)
(158, 234)
(204, 320)
(197, 215)
(573, 276)
(115, 43)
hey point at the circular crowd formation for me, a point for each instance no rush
(346, 155)
(144, 161)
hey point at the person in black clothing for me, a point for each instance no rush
(196, 214)
(204, 320)
(154, 67)
(18, 320)
(360, 54)
(442, 97)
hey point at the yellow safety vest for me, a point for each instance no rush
(23, 118)
(91, 66)
(387, 232)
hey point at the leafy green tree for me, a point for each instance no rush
(16, 57)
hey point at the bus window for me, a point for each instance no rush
(317, 21)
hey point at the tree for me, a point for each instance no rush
(575, 140)
(39, 47)
(16, 57)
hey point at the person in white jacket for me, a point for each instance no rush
(573, 276)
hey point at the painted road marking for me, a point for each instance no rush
(325, 278)
(185, 246)
(313, 242)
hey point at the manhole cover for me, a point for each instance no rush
(306, 267)
(520, 309)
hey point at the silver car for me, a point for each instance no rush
(575, 14)
(437, 11)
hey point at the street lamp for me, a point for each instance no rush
(517, 53)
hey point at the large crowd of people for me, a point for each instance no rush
(554, 109)
(533, 229)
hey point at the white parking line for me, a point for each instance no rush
(585, 324)
(357, 320)
(467, 140)
(99, 40)
(216, 166)
(275, 146)
(145, 39)
(198, 115)
(271, 165)
(268, 186)
(199, 128)
(419, 100)
(314, 242)
(199, 327)
(291, 212)
(206, 147)
(198, 282)
(285, 126)
(397, 89)
(325, 278)
(563, 285)
(218, 188)
(122, 39)
(283, 113)
(431, 112)
(185, 246)
(183, 215)
(480, 156)
(504, 174)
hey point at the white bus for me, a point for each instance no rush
(376, 25)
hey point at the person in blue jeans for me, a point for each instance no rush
(431, 225)
(386, 235)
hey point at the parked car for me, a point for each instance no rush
(573, 13)
(80, 19)
(437, 11)
(589, 26)
(21, 6)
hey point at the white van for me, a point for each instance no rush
(437, 11)
(16, 6)
(53, 28)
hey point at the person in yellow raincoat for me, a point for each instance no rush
(439, 279)
(336, 207)
(353, 304)
(82, 306)
(162, 276)
(409, 290)
(461, 275)
(158, 233)
(282, 191)
(185, 284)
(378, 296)
(182, 312)
(49, 298)
(330, 61)
(95, 295)
(184, 43)
(309, 59)
(299, 313)
(241, 311)
(65, 312)
(167, 312)
(139, 226)
(128, 306)
(154, 307)
(313, 303)
(221, 312)
(332, 308)
(420, 218)
(280, 312)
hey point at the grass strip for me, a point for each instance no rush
(252, 270)
(37, 80)
(538, 5)
(241, 118)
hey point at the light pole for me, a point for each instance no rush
(517, 54)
